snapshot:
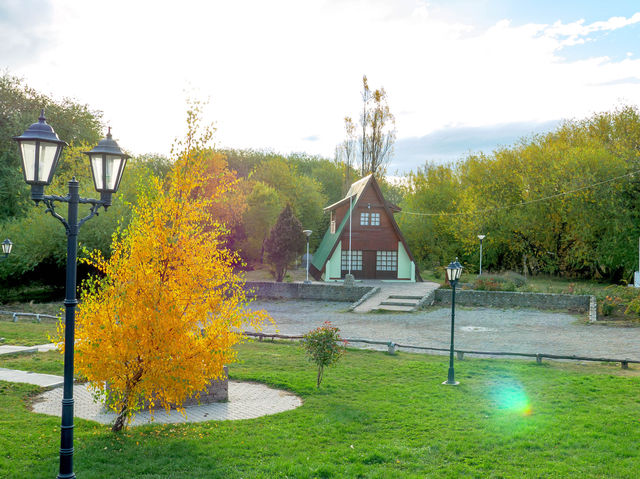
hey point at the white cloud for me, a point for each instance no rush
(283, 72)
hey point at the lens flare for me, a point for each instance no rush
(512, 397)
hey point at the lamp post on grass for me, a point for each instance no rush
(6, 249)
(307, 234)
(453, 275)
(40, 149)
(481, 237)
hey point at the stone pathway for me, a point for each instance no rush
(246, 401)
(43, 380)
(398, 296)
(11, 349)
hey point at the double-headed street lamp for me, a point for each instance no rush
(307, 233)
(40, 149)
(6, 249)
(454, 270)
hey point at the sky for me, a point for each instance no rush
(462, 76)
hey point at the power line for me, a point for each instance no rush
(537, 200)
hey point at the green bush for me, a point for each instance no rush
(323, 347)
(492, 282)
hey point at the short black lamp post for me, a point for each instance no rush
(453, 275)
(40, 149)
(481, 237)
(307, 234)
(6, 249)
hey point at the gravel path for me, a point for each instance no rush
(484, 329)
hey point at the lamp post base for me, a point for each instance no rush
(454, 383)
(306, 281)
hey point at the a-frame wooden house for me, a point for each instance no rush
(362, 223)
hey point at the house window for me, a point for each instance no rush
(356, 261)
(386, 260)
(375, 219)
(364, 219)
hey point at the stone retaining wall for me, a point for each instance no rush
(321, 292)
(509, 299)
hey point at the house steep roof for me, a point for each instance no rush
(355, 190)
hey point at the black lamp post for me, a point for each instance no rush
(453, 275)
(6, 249)
(40, 149)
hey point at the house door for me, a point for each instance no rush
(369, 265)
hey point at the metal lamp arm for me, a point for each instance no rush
(50, 200)
(51, 208)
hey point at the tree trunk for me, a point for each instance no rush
(319, 380)
(120, 422)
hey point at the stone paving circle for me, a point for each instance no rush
(246, 401)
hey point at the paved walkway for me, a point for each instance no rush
(10, 349)
(246, 401)
(481, 329)
(43, 380)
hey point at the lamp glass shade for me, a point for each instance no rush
(40, 149)
(28, 153)
(47, 159)
(454, 270)
(6, 246)
(107, 171)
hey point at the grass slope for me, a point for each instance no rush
(26, 333)
(375, 416)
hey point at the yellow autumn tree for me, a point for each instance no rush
(162, 318)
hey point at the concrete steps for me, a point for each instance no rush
(399, 297)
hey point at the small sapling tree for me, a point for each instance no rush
(324, 347)
(285, 242)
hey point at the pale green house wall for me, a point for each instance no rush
(334, 265)
(406, 267)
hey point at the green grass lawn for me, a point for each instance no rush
(375, 416)
(49, 362)
(25, 332)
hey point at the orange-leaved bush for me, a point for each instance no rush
(161, 320)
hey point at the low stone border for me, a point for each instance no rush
(317, 291)
(427, 300)
(373, 292)
(510, 299)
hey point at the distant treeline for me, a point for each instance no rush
(563, 203)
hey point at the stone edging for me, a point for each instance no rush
(373, 292)
(593, 309)
(317, 291)
(427, 300)
(581, 303)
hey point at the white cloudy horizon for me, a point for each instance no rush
(282, 75)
